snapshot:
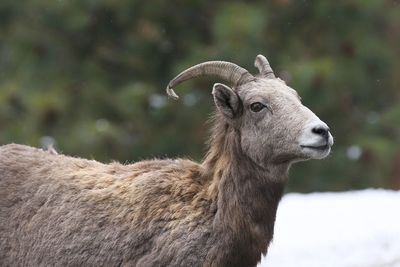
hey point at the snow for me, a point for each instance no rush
(349, 229)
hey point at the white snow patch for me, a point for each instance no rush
(349, 229)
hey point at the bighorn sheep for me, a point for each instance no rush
(63, 211)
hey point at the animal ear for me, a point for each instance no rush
(226, 100)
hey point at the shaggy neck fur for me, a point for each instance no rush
(245, 196)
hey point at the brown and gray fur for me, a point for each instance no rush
(57, 210)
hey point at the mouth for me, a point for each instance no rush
(319, 148)
(316, 151)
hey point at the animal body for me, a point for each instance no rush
(57, 210)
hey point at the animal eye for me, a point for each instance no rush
(256, 107)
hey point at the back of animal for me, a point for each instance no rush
(63, 211)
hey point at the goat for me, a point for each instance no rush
(64, 211)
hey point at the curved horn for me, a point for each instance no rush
(263, 66)
(224, 70)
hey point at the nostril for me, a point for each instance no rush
(321, 131)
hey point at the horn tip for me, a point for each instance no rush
(259, 59)
(171, 93)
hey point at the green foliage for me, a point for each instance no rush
(91, 76)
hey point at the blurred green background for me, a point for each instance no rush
(90, 76)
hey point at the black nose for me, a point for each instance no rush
(322, 131)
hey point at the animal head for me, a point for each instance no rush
(274, 126)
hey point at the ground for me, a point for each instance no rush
(349, 229)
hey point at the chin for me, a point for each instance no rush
(316, 153)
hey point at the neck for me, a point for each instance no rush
(245, 196)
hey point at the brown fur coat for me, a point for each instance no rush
(63, 211)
